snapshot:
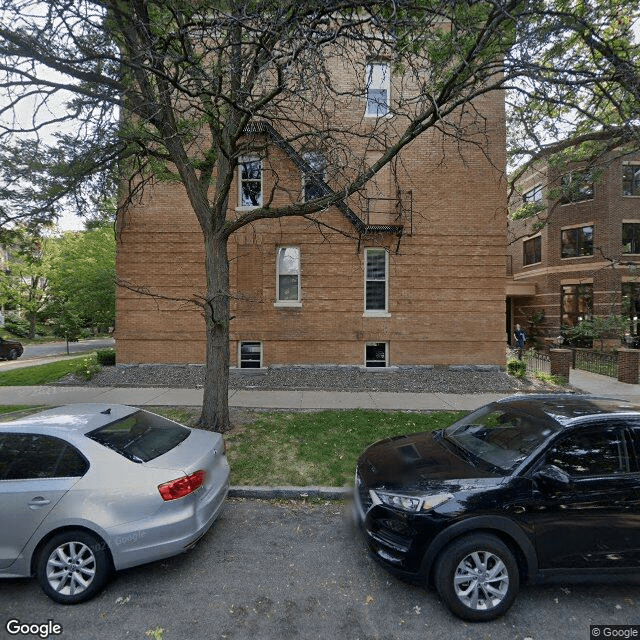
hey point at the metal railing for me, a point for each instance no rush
(603, 362)
(537, 361)
(390, 212)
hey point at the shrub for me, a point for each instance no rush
(17, 325)
(106, 357)
(87, 368)
(546, 377)
(517, 368)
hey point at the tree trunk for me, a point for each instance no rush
(215, 406)
(32, 324)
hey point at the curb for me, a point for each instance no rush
(290, 493)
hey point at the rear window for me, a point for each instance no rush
(141, 436)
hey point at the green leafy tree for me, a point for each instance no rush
(65, 320)
(599, 328)
(166, 90)
(82, 282)
(24, 281)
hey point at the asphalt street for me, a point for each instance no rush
(290, 570)
(35, 351)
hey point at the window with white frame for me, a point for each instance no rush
(376, 354)
(318, 171)
(533, 195)
(288, 275)
(250, 182)
(376, 280)
(250, 355)
(378, 84)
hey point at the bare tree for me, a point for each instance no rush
(182, 89)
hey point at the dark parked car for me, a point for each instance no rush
(10, 349)
(527, 488)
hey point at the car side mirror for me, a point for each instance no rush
(552, 477)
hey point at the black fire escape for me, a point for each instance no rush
(397, 213)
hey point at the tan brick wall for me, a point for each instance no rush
(446, 280)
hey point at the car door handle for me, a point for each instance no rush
(37, 502)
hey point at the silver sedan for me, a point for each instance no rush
(89, 488)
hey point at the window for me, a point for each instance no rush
(533, 195)
(318, 169)
(141, 436)
(288, 274)
(631, 304)
(576, 304)
(501, 436)
(577, 186)
(376, 280)
(250, 355)
(378, 89)
(576, 242)
(532, 251)
(26, 456)
(376, 354)
(599, 452)
(250, 188)
(631, 237)
(631, 180)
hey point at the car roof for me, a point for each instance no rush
(568, 408)
(79, 418)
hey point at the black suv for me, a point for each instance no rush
(10, 349)
(526, 488)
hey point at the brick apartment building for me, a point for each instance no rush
(583, 261)
(411, 271)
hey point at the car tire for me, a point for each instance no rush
(73, 566)
(13, 354)
(477, 576)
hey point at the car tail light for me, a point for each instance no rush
(182, 486)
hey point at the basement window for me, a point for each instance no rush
(250, 355)
(376, 354)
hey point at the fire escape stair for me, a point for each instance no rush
(363, 229)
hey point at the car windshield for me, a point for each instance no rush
(500, 436)
(141, 436)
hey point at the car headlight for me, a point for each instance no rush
(410, 503)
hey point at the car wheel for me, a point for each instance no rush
(477, 577)
(73, 566)
(13, 354)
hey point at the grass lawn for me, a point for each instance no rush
(316, 448)
(44, 373)
(279, 448)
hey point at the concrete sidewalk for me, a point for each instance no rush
(297, 400)
(248, 399)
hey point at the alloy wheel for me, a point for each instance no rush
(71, 568)
(481, 581)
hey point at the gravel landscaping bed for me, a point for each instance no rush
(461, 379)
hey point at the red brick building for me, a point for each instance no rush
(583, 261)
(409, 271)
